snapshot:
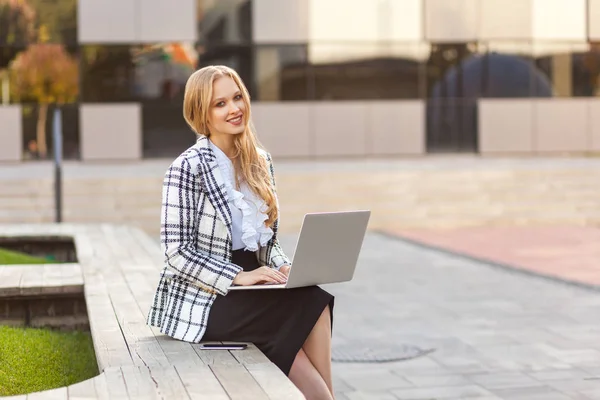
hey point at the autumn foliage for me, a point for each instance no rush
(45, 73)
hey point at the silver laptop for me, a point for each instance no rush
(327, 250)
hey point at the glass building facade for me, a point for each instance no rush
(445, 55)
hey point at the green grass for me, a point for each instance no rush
(14, 257)
(39, 359)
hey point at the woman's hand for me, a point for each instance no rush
(259, 275)
(285, 269)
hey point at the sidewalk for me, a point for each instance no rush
(568, 253)
(495, 334)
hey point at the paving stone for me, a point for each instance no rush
(447, 392)
(365, 395)
(437, 380)
(376, 380)
(480, 321)
(503, 380)
(560, 374)
(531, 393)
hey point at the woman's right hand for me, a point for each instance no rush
(259, 275)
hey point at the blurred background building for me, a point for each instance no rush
(328, 77)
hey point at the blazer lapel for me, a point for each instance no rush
(213, 181)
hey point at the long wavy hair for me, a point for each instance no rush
(249, 165)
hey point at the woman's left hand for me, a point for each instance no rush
(285, 269)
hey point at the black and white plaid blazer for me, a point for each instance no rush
(196, 240)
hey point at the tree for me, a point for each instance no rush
(17, 30)
(44, 74)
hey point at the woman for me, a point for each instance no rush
(219, 228)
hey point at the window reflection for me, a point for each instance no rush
(38, 21)
(282, 73)
(571, 69)
(454, 81)
(224, 21)
(160, 76)
(238, 57)
(507, 70)
(39, 120)
(445, 75)
(107, 73)
(370, 71)
(586, 74)
(39, 77)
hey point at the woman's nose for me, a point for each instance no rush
(233, 107)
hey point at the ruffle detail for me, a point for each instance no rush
(255, 232)
(254, 229)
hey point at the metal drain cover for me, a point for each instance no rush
(370, 352)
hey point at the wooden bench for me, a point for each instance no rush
(118, 267)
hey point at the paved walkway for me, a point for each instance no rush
(496, 334)
(569, 253)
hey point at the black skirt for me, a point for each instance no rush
(277, 321)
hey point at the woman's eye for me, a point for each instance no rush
(238, 97)
(220, 104)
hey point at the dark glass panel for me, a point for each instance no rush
(38, 126)
(367, 71)
(224, 21)
(282, 73)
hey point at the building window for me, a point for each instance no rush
(447, 71)
(282, 73)
(224, 21)
(38, 125)
(38, 21)
(586, 72)
(107, 73)
(452, 90)
(506, 69)
(161, 72)
(371, 71)
(571, 69)
(238, 57)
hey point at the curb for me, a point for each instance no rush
(488, 262)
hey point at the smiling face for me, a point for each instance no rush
(227, 111)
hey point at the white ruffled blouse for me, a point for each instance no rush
(248, 211)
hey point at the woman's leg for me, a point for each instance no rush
(306, 378)
(318, 347)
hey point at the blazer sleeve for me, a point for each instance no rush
(181, 191)
(278, 257)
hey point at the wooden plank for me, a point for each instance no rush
(250, 355)
(274, 382)
(72, 278)
(10, 280)
(51, 279)
(71, 274)
(169, 384)
(115, 383)
(178, 352)
(209, 357)
(151, 247)
(139, 383)
(101, 387)
(54, 394)
(138, 335)
(139, 255)
(84, 390)
(238, 382)
(201, 383)
(109, 343)
(31, 280)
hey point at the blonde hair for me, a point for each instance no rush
(251, 166)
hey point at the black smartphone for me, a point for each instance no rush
(223, 346)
